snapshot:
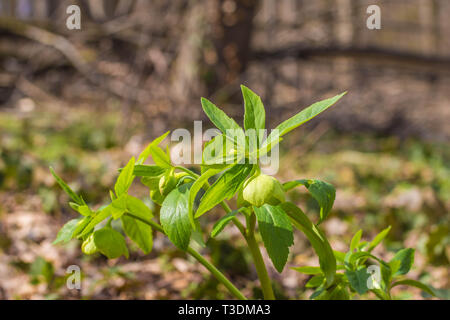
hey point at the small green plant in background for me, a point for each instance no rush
(182, 196)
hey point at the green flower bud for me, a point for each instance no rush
(167, 183)
(88, 246)
(263, 189)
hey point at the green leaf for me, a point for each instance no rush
(315, 281)
(143, 170)
(358, 280)
(66, 232)
(414, 283)
(222, 223)
(139, 232)
(96, 219)
(276, 232)
(138, 208)
(125, 178)
(221, 151)
(110, 242)
(308, 270)
(196, 186)
(66, 188)
(146, 153)
(225, 187)
(224, 123)
(301, 117)
(255, 115)
(378, 238)
(323, 192)
(406, 258)
(318, 240)
(81, 225)
(355, 240)
(175, 218)
(160, 157)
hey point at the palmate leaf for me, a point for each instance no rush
(174, 216)
(255, 115)
(225, 187)
(317, 239)
(276, 232)
(300, 118)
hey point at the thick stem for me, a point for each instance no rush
(216, 273)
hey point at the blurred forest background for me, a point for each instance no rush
(86, 100)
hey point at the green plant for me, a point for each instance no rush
(260, 200)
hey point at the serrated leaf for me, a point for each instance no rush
(125, 178)
(255, 115)
(317, 239)
(66, 232)
(222, 223)
(276, 232)
(175, 218)
(358, 280)
(67, 189)
(110, 243)
(406, 258)
(225, 187)
(302, 117)
(323, 192)
(138, 208)
(139, 232)
(196, 186)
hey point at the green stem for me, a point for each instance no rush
(261, 270)
(219, 275)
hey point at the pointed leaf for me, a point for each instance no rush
(175, 218)
(255, 115)
(225, 187)
(66, 232)
(139, 232)
(319, 242)
(125, 178)
(110, 242)
(276, 232)
(66, 188)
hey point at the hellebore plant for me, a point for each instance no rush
(182, 196)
